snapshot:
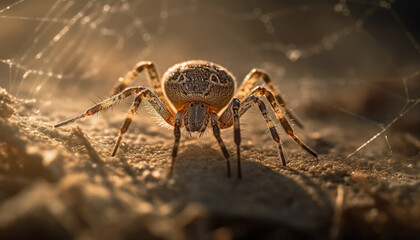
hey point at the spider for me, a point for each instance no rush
(194, 95)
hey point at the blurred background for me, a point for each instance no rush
(350, 69)
(334, 61)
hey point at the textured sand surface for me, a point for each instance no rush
(62, 183)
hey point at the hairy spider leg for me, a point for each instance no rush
(157, 105)
(102, 105)
(142, 92)
(226, 118)
(239, 109)
(177, 133)
(153, 77)
(248, 83)
(216, 131)
(127, 122)
(237, 133)
(260, 91)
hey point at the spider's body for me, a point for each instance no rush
(199, 90)
(199, 81)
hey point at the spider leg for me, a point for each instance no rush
(237, 132)
(216, 131)
(159, 106)
(226, 118)
(154, 101)
(153, 77)
(177, 133)
(260, 91)
(102, 105)
(127, 122)
(248, 83)
(142, 93)
(239, 109)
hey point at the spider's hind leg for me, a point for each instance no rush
(129, 77)
(248, 84)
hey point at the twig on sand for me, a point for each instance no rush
(93, 154)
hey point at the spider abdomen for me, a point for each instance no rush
(199, 81)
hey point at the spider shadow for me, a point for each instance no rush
(264, 200)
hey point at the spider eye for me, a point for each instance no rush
(192, 105)
(202, 105)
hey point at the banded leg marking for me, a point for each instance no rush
(157, 105)
(102, 105)
(216, 131)
(153, 77)
(226, 118)
(252, 99)
(248, 84)
(237, 134)
(177, 133)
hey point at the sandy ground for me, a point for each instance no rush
(62, 183)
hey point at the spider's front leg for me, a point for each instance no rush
(141, 92)
(177, 133)
(226, 118)
(237, 133)
(216, 132)
(236, 109)
(158, 105)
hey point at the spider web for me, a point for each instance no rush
(336, 62)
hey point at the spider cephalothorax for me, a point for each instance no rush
(192, 95)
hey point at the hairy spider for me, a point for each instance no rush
(192, 94)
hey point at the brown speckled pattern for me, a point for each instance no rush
(199, 81)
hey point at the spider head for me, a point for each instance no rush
(196, 117)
